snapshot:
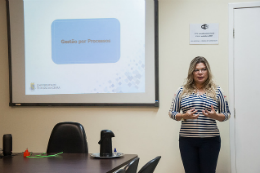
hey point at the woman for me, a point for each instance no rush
(199, 103)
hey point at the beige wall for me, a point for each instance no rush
(148, 132)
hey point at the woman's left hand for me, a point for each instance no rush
(210, 114)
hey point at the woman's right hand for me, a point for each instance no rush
(190, 114)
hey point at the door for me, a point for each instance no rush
(247, 89)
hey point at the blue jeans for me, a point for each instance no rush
(199, 155)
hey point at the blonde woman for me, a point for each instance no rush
(198, 104)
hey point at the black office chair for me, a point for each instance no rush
(132, 166)
(120, 171)
(68, 137)
(150, 166)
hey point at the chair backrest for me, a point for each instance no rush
(132, 166)
(68, 137)
(120, 171)
(150, 166)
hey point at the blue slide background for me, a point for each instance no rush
(77, 30)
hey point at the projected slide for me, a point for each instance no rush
(94, 47)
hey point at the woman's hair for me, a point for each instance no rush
(209, 85)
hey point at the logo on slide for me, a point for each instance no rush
(205, 26)
(32, 86)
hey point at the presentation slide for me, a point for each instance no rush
(84, 47)
(83, 52)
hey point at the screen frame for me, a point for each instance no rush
(156, 70)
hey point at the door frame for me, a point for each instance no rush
(231, 92)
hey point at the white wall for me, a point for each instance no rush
(148, 132)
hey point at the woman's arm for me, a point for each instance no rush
(223, 105)
(224, 113)
(179, 116)
(174, 111)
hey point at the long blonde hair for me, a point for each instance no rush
(209, 85)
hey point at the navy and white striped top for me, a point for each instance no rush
(203, 126)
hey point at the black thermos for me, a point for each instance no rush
(7, 144)
(106, 143)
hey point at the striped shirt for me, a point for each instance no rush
(203, 126)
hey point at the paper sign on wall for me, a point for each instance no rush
(204, 33)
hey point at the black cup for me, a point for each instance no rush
(7, 144)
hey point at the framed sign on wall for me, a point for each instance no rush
(204, 33)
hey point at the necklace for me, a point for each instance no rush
(199, 91)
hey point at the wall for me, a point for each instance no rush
(148, 132)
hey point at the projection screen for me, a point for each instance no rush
(83, 52)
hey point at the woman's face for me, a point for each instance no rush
(200, 74)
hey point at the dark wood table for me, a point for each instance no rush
(64, 163)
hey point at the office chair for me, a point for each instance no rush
(68, 137)
(150, 166)
(132, 166)
(120, 171)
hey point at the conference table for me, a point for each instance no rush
(64, 163)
